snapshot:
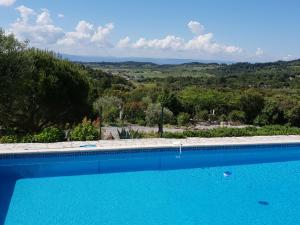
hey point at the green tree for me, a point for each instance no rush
(38, 89)
(252, 104)
(153, 113)
(111, 107)
(293, 115)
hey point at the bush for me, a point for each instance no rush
(28, 138)
(202, 115)
(293, 116)
(50, 134)
(223, 118)
(150, 134)
(129, 134)
(252, 104)
(177, 135)
(183, 119)
(8, 139)
(237, 116)
(153, 114)
(236, 132)
(85, 131)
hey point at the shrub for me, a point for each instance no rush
(177, 135)
(50, 134)
(261, 120)
(183, 119)
(149, 134)
(252, 104)
(223, 118)
(8, 139)
(153, 114)
(202, 115)
(28, 138)
(237, 132)
(293, 116)
(84, 131)
(129, 134)
(134, 111)
(237, 116)
(108, 107)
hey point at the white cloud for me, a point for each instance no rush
(101, 33)
(170, 42)
(201, 43)
(7, 2)
(196, 27)
(86, 34)
(87, 38)
(206, 43)
(288, 58)
(44, 18)
(124, 43)
(61, 16)
(259, 52)
(36, 27)
(25, 13)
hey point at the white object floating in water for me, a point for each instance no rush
(227, 174)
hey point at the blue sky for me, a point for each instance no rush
(265, 30)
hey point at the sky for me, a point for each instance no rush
(228, 30)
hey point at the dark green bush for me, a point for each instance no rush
(27, 139)
(85, 131)
(237, 116)
(202, 115)
(50, 134)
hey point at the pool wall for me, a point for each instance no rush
(92, 162)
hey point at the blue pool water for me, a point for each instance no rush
(262, 186)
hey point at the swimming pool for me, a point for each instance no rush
(256, 184)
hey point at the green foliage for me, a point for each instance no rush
(134, 112)
(252, 104)
(202, 115)
(109, 107)
(153, 115)
(48, 135)
(236, 132)
(293, 115)
(39, 89)
(183, 119)
(237, 116)
(129, 134)
(199, 99)
(271, 114)
(28, 138)
(170, 101)
(84, 131)
(7, 139)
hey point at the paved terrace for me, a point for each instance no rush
(141, 143)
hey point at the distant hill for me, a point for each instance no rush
(159, 61)
(272, 74)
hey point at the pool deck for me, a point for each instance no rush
(105, 145)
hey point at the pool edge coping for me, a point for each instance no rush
(143, 144)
